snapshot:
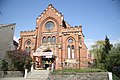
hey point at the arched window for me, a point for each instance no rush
(68, 48)
(28, 49)
(53, 39)
(44, 40)
(70, 41)
(49, 39)
(73, 56)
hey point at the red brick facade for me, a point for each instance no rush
(56, 41)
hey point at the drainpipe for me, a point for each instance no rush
(79, 41)
(79, 57)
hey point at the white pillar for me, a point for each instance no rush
(110, 75)
(32, 67)
(52, 68)
(25, 76)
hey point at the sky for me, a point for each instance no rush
(97, 17)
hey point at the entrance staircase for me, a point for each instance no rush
(38, 75)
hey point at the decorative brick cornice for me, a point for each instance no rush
(27, 31)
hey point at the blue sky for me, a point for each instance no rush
(98, 17)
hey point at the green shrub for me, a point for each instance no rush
(115, 77)
(78, 70)
(18, 60)
(3, 65)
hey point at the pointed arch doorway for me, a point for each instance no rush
(46, 58)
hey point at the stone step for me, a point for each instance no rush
(38, 74)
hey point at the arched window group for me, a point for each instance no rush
(70, 49)
(28, 44)
(49, 39)
(70, 52)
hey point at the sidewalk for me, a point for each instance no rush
(16, 78)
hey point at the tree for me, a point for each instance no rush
(96, 51)
(113, 59)
(18, 60)
(106, 49)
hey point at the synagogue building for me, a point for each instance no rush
(55, 41)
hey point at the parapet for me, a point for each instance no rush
(27, 31)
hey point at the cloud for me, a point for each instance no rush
(16, 38)
(89, 42)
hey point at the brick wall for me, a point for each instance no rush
(62, 35)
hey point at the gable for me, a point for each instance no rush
(49, 13)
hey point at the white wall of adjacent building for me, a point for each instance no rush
(6, 38)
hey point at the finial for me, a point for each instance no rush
(50, 5)
(80, 26)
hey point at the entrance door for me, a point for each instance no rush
(47, 62)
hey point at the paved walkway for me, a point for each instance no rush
(38, 75)
(16, 78)
(34, 75)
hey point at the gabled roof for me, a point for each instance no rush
(50, 7)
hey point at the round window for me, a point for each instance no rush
(49, 25)
(28, 42)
